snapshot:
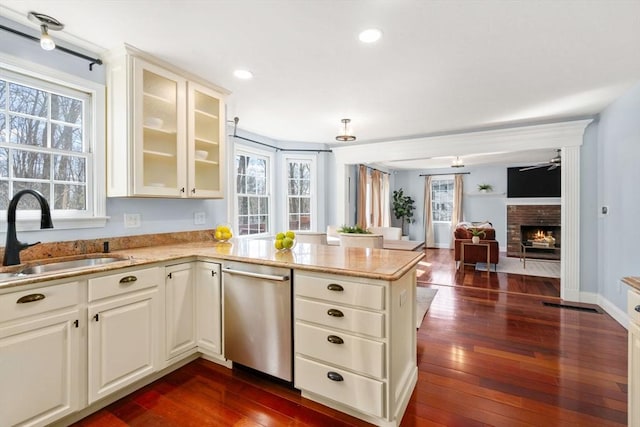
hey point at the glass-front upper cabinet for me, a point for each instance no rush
(165, 129)
(160, 132)
(205, 148)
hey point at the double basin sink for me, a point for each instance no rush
(36, 268)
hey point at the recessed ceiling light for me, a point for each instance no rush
(243, 74)
(370, 36)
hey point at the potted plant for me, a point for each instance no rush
(475, 235)
(354, 229)
(403, 207)
(485, 188)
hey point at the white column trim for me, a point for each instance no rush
(570, 220)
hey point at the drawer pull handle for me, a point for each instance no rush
(128, 280)
(29, 298)
(334, 339)
(335, 313)
(335, 287)
(637, 308)
(334, 376)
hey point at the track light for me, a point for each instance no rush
(46, 23)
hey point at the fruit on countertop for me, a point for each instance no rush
(223, 233)
(285, 240)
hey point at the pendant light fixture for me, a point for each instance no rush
(46, 23)
(347, 135)
(457, 163)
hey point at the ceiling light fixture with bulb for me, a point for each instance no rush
(46, 23)
(347, 133)
(457, 163)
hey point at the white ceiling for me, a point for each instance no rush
(441, 66)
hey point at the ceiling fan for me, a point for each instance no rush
(553, 163)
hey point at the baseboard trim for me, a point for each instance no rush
(612, 310)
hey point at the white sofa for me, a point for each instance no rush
(361, 240)
(333, 237)
(388, 233)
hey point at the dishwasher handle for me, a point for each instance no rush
(256, 275)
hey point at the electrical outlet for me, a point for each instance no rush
(131, 220)
(199, 218)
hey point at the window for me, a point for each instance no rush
(442, 199)
(252, 193)
(47, 144)
(300, 179)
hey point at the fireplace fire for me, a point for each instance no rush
(540, 236)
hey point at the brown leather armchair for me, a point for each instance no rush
(474, 254)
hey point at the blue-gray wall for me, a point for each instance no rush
(618, 176)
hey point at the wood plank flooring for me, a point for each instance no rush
(486, 356)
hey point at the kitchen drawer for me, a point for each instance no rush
(351, 352)
(44, 299)
(121, 283)
(352, 293)
(633, 304)
(352, 319)
(364, 394)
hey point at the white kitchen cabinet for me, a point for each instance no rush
(209, 309)
(355, 338)
(633, 411)
(180, 310)
(124, 329)
(165, 130)
(40, 354)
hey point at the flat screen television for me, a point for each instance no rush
(538, 182)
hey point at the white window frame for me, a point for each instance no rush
(249, 151)
(313, 159)
(433, 180)
(57, 81)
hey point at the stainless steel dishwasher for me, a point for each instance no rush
(257, 318)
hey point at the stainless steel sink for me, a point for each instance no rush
(67, 265)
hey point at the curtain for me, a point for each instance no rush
(361, 206)
(428, 215)
(385, 201)
(376, 198)
(456, 210)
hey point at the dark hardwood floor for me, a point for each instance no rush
(489, 353)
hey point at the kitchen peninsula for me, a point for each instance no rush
(367, 369)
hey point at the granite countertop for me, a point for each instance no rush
(634, 282)
(357, 262)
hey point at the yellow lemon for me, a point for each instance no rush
(280, 236)
(218, 235)
(287, 243)
(278, 244)
(226, 235)
(290, 234)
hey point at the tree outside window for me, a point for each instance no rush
(442, 199)
(43, 146)
(252, 193)
(299, 180)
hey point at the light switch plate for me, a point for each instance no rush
(199, 218)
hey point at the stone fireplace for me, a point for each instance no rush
(531, 225)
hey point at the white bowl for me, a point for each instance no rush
(201, 154)
(153, 122)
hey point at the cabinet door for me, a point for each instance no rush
(159, 127)
(180, 311)
(209, 308)
(634, 375)
(123, 341)
(40, 369)
(206, 142)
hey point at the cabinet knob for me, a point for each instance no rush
(335, 287)
(334, 339)
(637, 308)
(30, 298)
(334, 376)
(182, 190)
(193, 190)
(335, 313)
